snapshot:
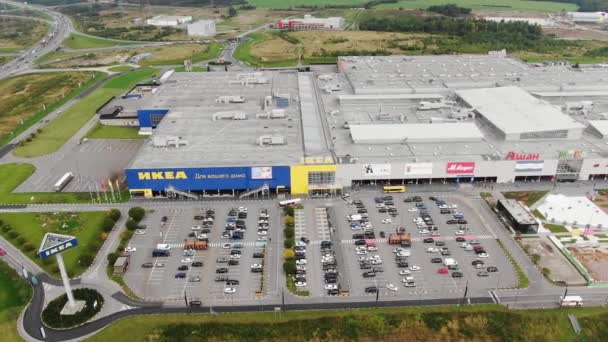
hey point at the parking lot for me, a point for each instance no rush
(223, 276)
(421, 275)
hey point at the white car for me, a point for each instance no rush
(412, 210)
(331, 287)
(414, 268)
(480, 266)
(262, 232)
(376, 262)
(202, 236)
(407, 279)
(159, 264)
(391, 287)
(379, 205)
(300, 244)
(163, 246)
(262, 238)
(432, 250)
(229, 290)
(361, 252)
(227, 246)
(423, 232)
(435, 233)
(300, 284)
(197, 227)
(459, 232)
(397, 250)
(140, 232)
(186, 260)
(464, 245)
(130, 249)
(300, 267)
(403, 254)
(260, 266)
(387, 221)
(483, 255)
(235, 256)
(363, 258)
(443, 206)
(188, 252)
(372, 248)
(301, 262)
(405, 272)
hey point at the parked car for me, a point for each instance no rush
(221, 270)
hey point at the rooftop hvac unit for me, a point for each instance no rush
(326, 77)
(230, 99)
(229, 115)
(273, 114)
(249, 75)
(271, 140)
(168, 141)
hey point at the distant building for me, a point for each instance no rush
(169, 20)
(202, 28)
(587, 17)
(311, 23)
(518, 216)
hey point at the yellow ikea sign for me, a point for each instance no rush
(162, 175)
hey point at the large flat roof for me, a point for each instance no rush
(515, 111)
(191, 100)
(424, 132)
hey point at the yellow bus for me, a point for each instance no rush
(397, 188)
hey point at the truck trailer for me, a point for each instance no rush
(63, 181)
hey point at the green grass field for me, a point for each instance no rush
(86, 226)
(491, 5)
(528, 197)
(121, 68)
(555, 228)
(58, 131)
(464, 323)
(511, 5)
(77, 41)
(168, 56)
(195, 68)
(22, 97)
(14, 294)
(243, 53)
(100, 131)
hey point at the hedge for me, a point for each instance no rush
(51, 316)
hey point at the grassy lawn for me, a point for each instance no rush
(465, 323)
(22, 98)
(521, 275)
(14, 294)
(77, 41)
(121, 68)
(60, 130)
(538, 214)
(31, 227)
(100, 131)
(528, 197)
(556, 228)
(176, 54)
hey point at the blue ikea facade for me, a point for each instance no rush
(216, 178)
(150, 117)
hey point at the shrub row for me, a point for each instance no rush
(53, 318)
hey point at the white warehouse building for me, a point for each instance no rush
(169, 20)
(587, 17)
(202, 28)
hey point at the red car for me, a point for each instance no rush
(443, 271)
(2, 252)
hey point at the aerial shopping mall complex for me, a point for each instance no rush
(390, 120)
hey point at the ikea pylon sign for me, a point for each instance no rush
(59, 248)
(212, 178)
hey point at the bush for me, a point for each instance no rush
(86, 260)
(137, 213)
(6, 229)
(288, 211)
(289, 233)
(28, 247)
(112, 258)
(288, 243)
(114, 214)
(52, 317)
(21, 240)
(107, 224)
(131, 225)
(289, 267)
(13, 234)
(289, 221)
(126, 236)
(289, 254)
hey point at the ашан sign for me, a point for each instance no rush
(512, 155)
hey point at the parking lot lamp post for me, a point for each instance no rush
(466, 290)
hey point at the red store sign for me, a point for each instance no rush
(467, 168)
(512, 155)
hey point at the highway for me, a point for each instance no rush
(61, 27)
